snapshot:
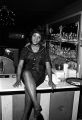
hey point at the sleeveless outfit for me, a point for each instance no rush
(35, 62)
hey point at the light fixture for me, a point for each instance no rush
(16, 35)
(7, 17)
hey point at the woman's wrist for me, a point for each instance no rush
(18, 78)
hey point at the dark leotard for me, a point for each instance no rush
(35, 62)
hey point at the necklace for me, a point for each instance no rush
(35, 48)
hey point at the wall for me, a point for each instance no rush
(67, 11)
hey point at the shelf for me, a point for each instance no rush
(67, 58)
(65, 41)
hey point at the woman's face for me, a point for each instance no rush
(36, 37)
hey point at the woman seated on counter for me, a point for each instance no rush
(34, 61)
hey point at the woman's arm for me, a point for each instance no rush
(49, 71)
(19, 70)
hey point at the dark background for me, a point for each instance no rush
(29, 14)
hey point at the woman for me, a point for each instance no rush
(34, 62)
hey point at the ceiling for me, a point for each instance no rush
(31, 13)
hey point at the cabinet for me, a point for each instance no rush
(62, 107)
(63, 38)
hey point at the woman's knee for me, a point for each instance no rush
(28, 78)
(27, 75)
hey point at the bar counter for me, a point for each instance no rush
(59, 104)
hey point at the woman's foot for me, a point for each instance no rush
(37, 111)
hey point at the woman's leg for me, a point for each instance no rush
(30, 87)
(28, 106)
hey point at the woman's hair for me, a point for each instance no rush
(35, 31)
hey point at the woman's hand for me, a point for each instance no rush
(51, 84)
(17, 83)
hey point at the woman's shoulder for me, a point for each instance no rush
(26, 47)
(42, 48)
